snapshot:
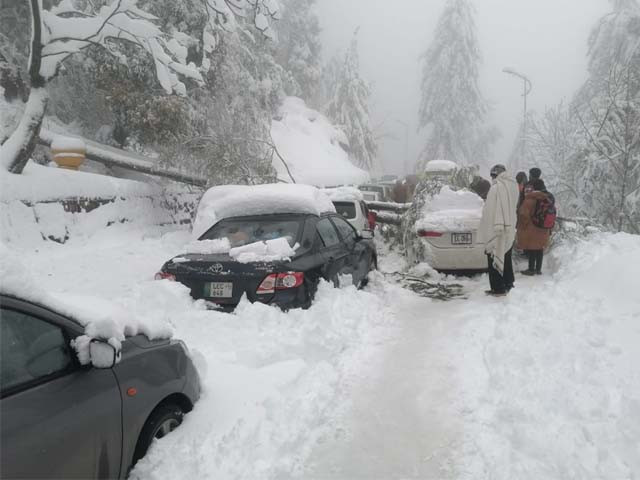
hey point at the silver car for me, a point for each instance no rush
(61, 419)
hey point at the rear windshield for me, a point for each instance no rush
(242, 232)
(346, 209)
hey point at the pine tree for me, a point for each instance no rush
(453, 109)
(298, 49)
(348, 108)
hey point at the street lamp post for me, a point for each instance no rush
(406, 146)
(527, 90)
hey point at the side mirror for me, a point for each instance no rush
(366, 235)
(103, 354)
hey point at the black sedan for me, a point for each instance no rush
(326, 247)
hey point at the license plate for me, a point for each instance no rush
(461, 238)
(218, 289)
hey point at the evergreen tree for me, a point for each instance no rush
(348, 108)
(299, 48)
(453, 109)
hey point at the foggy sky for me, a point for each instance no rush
(545, 39)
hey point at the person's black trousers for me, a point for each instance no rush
(500, 283)
(535, 260)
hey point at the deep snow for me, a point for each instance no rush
(383, 383)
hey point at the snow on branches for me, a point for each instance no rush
(67, 30)
(453, 109)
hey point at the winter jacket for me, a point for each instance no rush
(498, 225)
(531, 237)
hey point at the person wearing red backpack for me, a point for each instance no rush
(536, 219)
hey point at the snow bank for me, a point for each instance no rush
(440, 166)
(548, 382)
(311, 147)
(451, 211)
(276, 250)
(599, 268)
(273, 387)
(40, 184)
(240, 201)
(344, 194)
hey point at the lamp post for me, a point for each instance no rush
(527, 90)
(406, 147)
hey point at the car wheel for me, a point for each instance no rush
(163, 420)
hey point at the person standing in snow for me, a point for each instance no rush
(532, 239)
(498, 230)
(534, 174)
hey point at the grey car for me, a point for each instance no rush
(61, 419)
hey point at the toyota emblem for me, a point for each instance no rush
(217, 268)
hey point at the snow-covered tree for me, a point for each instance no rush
(348, 108)
(453, 109)
(115, 26)
(608, 112)
(299, 46)
(553, 140)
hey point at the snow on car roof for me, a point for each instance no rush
(344, 194)
(241, 201)
(451, 211)
(101, 319)
(440, 166)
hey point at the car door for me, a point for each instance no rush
(59, 419)
(355, 260)
(333, 250)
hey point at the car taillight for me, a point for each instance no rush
(165, 276)
(372, 218)
(425, 233)
(280, 281)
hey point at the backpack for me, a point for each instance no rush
(545, 214)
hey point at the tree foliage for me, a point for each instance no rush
(453, 109)
(348, 107)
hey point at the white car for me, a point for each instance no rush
(371, 196)
(349, 202)
(445, 233)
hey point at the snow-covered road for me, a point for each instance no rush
(383, 383)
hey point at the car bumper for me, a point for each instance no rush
(284, 299)
(451, 259)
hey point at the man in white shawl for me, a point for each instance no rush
(498, 229)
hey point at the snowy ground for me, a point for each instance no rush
(384, 383)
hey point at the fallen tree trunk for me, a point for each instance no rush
(112, 157)
(388, 206)
(387, 218)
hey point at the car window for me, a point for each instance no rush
(347, 232)
(242, 232)
(31, 349)
(346, 209)
(327, 233)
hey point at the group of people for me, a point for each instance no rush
(517, 211)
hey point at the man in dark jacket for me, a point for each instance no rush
(534, 174)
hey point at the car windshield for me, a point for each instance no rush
(346, 209)
(240, 231)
